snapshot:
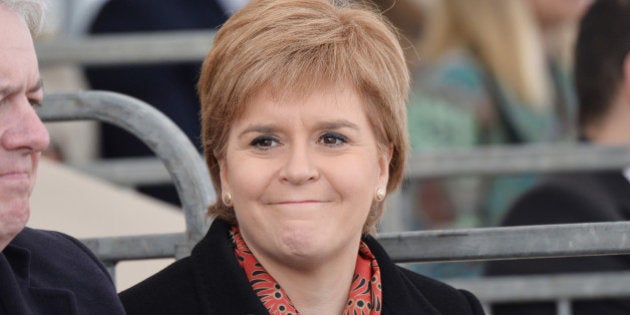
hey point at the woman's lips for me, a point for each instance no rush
(297, 202)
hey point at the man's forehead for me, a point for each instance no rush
(14, 32)
(18, 63)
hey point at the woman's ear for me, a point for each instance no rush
(385, 158)
(223, 175)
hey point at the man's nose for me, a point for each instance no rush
(26, 131)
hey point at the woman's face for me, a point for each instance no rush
(303, 173)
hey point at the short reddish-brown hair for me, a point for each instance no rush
(300, 46)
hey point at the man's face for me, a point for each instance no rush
(22, 134)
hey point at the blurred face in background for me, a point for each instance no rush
(22, 134)
(551, 13)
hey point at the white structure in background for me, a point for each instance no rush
(83, 206)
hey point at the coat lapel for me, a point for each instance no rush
(400, 296)
(222, 285)
(19, 296)
(618, 188)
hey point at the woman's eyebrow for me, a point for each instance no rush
(338, 124)
(262, 128)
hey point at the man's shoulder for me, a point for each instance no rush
(52, 251)
(566, 198)
(49, 242)
(59, 262)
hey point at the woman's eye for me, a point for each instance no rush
(264, 142)
(332, 139)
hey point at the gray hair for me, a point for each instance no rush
(32, 11)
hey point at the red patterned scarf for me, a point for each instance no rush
(365, 296)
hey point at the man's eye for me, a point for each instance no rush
(332, 139)
(35, 103)
(264, 142)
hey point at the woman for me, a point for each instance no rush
(493, 72)
(303, 126)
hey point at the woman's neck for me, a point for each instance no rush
(318, 288)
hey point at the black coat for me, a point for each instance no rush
(43, 272)
(210, 281)
(569, 198)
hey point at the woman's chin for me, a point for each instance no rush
(304, 246)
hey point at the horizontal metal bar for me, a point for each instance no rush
(129, 172)
(547, 287)
(114, 249)
(517, 159)
(130, 48)
(539, 241)
(481, 161)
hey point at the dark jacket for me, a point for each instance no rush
(210, 281)
(44, 272)
(569, 198)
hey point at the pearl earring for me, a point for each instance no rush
(380, 194)
(227, 199)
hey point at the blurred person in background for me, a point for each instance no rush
(602, 75)
(41, 272)
(169, 87)
(492, 72)
(408, 17)
(304, 134)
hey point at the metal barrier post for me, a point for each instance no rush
(159, 133)
(564, 307)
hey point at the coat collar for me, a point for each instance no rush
(220, 279)
(400, 296)
(17, 294)
(218, 276)
(617, 186)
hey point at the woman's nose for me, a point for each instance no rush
(299, 167)
(25, 129)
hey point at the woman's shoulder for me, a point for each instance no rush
(456, 69)
(443, 297)
(406, 292)
(448, 102)
(169, 291)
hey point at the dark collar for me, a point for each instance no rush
(224, 288)
(400, 295)
(17, 293)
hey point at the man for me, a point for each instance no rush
(602, 73)
(41, 272)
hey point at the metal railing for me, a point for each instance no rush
(180, 158)
(188, 171)
(130, 48)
